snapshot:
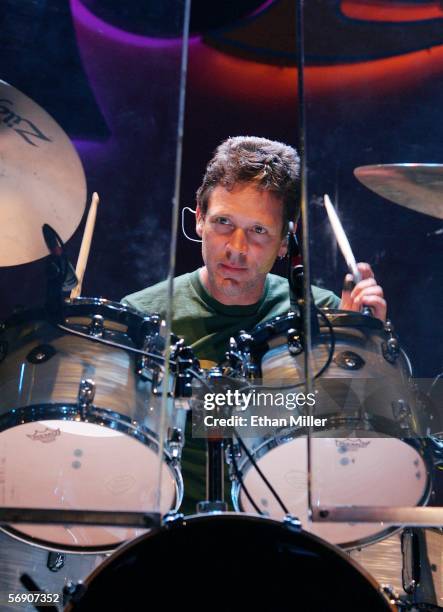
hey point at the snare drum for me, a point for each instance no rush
(80, 420)
(369, 451)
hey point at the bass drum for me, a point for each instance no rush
(50, 571)
(231, 562)
(369, 452)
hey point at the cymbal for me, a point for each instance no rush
(41, 179)
(415, 186)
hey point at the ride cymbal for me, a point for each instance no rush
(415, 186)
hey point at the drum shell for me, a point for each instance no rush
(45, 393)
(118, 387)
(368, 404)
(359, 384)
(384, 561)
(17, 558)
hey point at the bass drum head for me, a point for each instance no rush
(230, 562)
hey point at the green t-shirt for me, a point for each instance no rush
(206, 325)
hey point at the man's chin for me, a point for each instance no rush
(231, 287)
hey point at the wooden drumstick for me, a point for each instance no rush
(85, 246)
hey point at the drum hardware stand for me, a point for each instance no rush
(73, 592)
(402, 412)
(151, 339)
(239, 356)
(144, 364)
(411, 568)
(174, 443)
(422, 516)
(86, 394)
(32, 587)
(184, 361)
(172, 517)
(215, 494)
(297, 285)
(60, 273)
(97, 326)
(295, 344)
(293, 522)
(56, 561)
(45, 516)
(402, 604)
(420, 584)
(391, 348)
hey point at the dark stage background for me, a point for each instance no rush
(108, 72)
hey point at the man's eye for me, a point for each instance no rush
(222, 220)
(258, 229)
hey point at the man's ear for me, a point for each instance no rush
(199, 221)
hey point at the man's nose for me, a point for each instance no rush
(238, 242)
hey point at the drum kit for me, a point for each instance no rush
(92, 430)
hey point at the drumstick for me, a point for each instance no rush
(86, 245)
(342, 240)
(345, 247)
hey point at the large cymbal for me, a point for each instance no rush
(416, 186)
(41, 179)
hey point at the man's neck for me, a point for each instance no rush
(229, 296)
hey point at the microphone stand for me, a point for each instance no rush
(296, 282)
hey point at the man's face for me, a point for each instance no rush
(241, 238)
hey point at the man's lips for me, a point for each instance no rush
(229, 268)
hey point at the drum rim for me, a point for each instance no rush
(270, 444)
(336, 316)
(40, 312)
(136, 322)
(65, 411)
(175, 522)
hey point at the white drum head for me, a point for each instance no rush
(357, 471)
(76, 465)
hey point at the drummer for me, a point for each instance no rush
(249, 193)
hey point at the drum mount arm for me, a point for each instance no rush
(60, 274)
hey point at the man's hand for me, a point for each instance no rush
(365, 293)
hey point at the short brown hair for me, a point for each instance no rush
(271, 165)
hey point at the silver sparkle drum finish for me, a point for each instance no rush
(80, 420)
(390, 565)
(50, 571)
(370, 451)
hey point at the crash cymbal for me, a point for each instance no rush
(416, 186)
(41, 179)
